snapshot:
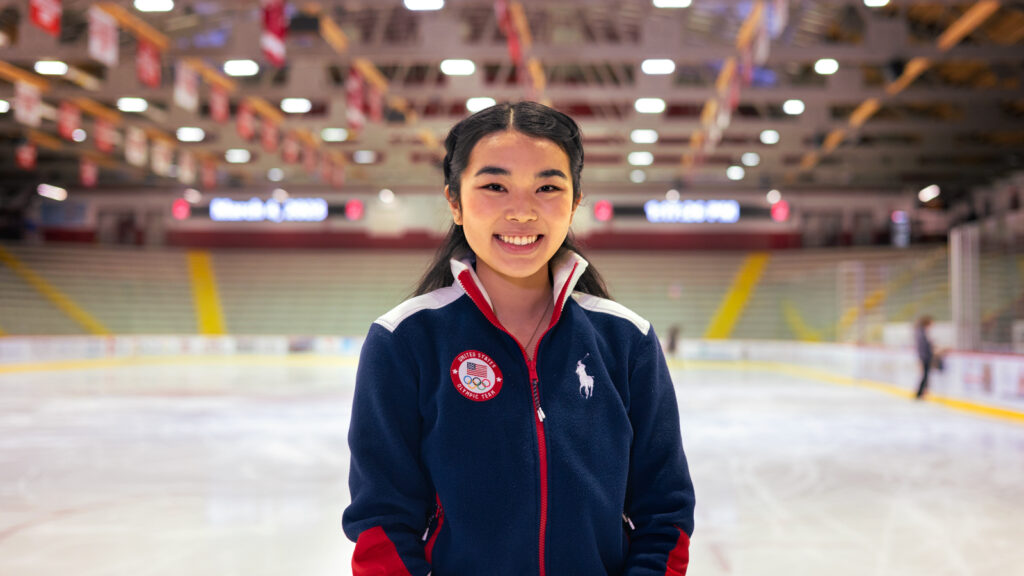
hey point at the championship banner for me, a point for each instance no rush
(46, 14)
(186, 87)
(103, 42)
(88, 172)
(209, 175)
(355, 94)
(245, 121)
(28, 104)
(147, 64)
(186, 167)
(105, 135)
(25, 156)
(220, 105)
(135, 146)
(291, 149)
(69, 119)
(268, 136)
(161, 157)
(275, 25)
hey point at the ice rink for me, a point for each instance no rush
(238, 466)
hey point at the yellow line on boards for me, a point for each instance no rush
(735, 301)
(63, 303)
(205, 296)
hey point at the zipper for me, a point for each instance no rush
(433, 530)
(543, 453)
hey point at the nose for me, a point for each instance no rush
(521, 207)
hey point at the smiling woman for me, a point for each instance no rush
(457, 467)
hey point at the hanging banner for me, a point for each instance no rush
(186, 87)
(186, 167)
(245, 121)
(268, 136)
(135, 146)
(309, 159)
(147, 64)
(220, 105)
(209, 175)
(355, 93)
(161, 157)
(105, 135)
(46, 14)
(291, 149)
(88, 172)
(103, 41)
(25, 156)
(69, 119)
(28, 104)
(778, 18)
(275, 26)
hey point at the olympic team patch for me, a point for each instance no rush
(476, 376)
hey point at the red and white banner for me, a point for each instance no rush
(508, 28)
(105, 135)
(28, 104)
(135, 151)
(186, 87)
(209, 175)
(88, 172)
(46, 14)
(355, 94)
(25, 156)
(268, 136)
(186, 167)
(220, 105)
(103, 41)
(147, 64)
(69, 119)
(309, 159)
(161, 156)
(291, 149)
(275, 26)
(245, 122)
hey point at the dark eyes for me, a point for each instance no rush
(500, 188)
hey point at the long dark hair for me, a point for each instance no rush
(532, 119)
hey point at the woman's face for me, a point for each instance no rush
(516, 205)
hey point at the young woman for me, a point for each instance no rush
(510, 418)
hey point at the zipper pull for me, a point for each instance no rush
(540, 414)
(628, 521)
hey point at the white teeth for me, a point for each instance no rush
(519, 240)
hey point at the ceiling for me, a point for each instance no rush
(881, 123)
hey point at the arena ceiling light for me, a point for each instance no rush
(364, 156)
(826, 66)
(649, 105)
(52, 192)
(237, 156)
(296, 105)
(386, 196)
(672, 3)
(154, 5)
(657, 66)
(769, 137)
(735, 173)
(132, 104)
(79, 135)
(876, 3)
(793, 107)
(423, 5)
(644, 136)
(641, 158)
(5, 106)
(928, 193)
(280, 195)
(638, 176)
(241, 68)
(457, 67)
(773, 196)
(750, 159)
(480, 103)
(334, 134)
(190, 134)
(51, 68)
(275, 174)
(192, 196)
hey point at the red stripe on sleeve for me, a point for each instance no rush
(376, 555)
(679, 557)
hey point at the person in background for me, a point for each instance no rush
(925, 352)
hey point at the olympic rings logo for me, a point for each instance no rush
(480, 384)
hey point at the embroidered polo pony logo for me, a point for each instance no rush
(586, 380)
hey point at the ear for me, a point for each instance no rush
(453, 205)
(575, 205)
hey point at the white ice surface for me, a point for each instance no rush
(239, 467)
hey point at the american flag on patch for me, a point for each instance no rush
(474, 369)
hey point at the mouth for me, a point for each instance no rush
(520, 241)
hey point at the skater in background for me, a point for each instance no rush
(511, 418)
(925, 352)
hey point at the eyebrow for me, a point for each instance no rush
(499, 171)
